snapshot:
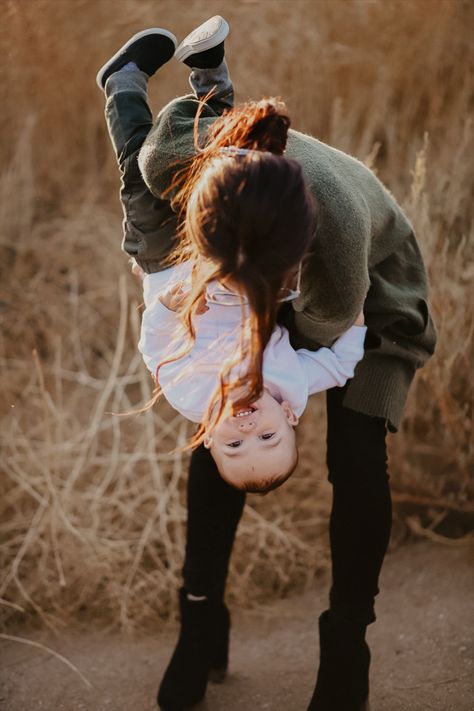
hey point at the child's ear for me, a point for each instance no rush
(292, 418)
(207, 442)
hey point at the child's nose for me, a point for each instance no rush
(246, 426)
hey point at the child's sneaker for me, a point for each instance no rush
(149, 50)
(203, 48)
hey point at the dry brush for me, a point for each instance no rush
(92, 503)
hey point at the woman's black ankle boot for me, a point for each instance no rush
(219, 642)
(201, 652)
(343, 675)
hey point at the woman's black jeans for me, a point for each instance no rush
(360, 518)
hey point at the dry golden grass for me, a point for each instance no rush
(92, 506)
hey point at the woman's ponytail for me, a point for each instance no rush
(255, 126)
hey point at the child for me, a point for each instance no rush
(254, 447)
(253, 443)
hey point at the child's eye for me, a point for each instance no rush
(235, 444)
(267, 435)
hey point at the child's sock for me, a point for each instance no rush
(129, 67)
(202, 81)
(209, 59)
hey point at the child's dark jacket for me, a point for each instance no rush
(364, 254)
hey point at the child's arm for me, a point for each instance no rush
(164, 293)
(330, 367)
(157, 331)
(136, 269)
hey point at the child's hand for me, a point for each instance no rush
(174, 297)
(137, 270)
(360, 320)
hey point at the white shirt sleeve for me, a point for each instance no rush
(330, 367)
(157, 334)
(158, 327)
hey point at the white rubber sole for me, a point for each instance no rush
(139, 35)
(186, 48)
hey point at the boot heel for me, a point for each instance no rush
(201, 654)
(343, 675)
(217, 675)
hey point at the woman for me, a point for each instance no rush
(363, 253)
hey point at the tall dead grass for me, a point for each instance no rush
(92, 506)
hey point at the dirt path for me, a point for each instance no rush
(422, 648)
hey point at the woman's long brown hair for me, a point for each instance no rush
(248, 219)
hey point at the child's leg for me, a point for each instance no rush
(204, 52)
(218, 81)
(127, 112)
(149, 224)
(171, 140)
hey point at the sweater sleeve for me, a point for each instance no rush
(330, 367)
(396, 307)
(401, 334)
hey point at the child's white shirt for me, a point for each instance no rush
(189, 383)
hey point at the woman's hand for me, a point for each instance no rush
(360, 320)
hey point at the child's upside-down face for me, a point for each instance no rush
(255, 446)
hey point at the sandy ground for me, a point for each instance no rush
(422, 650)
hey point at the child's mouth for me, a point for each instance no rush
(245, 412)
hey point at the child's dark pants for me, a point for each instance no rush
(149, 224)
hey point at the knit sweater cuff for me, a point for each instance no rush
(380, 388)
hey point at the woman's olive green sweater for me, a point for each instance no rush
(364, 254)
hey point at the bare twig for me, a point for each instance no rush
(44, 648)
